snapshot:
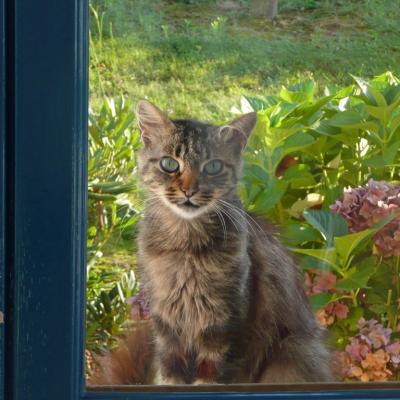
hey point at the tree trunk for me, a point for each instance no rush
(264, 8)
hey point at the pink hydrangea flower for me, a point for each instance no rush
(364, 206)
(372, 354)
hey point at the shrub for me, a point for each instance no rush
(113, 211)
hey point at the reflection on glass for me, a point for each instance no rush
(187, 282)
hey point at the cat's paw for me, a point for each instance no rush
(200, 381)
(171, 381)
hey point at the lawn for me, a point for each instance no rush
(197, 58)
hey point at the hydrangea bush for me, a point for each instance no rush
(327, 171)
(373, 354)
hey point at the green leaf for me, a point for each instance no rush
(101, 196)
(308, 87)
(345, 92)
(308, 262)
(114, 187)
(371, 94)
(346, 118)
(92, 230)
(381, 282)
(257, 103)
(280, 115)
(323, 128)
(297, 142)
(353, 317)
(346, 245)
(380, 113)
(320, 300)
(299, 176)
(394, 123)
(256, 172)
(387, 78)
(390, 153)
(376, 161)
(327, 223)
(95, 135)
(311, 200)
(383, 113)
(105, 299)
(357, 277)
(275, 136)
(296, 233)
(335, 162)
(336, 133)
(270, 196)
(328, 255)
(298, 94)
(379, 308)
(392, 93)
(309, 113)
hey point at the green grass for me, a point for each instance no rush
(196, 59)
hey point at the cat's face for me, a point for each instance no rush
(188, 165)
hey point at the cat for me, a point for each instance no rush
(226, 299)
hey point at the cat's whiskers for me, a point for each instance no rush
(147, 199)
(221, 218)
(141, 205)
(235, 222)
(247, 217)
(242, 222)
(236, 214)
(231, 218)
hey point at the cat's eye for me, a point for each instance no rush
(213, 167)
(168, 164)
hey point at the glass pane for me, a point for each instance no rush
(261, 245)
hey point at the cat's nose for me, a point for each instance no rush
(189, 192)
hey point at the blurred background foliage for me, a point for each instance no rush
(322, 129)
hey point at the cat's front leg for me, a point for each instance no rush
(173, 363)
(206, 373)
(211, 357)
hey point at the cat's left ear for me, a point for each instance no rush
(239, 130)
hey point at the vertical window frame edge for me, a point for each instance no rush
(79, 208)
(55, 31)
(2, 193)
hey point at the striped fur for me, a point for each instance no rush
(226, 299)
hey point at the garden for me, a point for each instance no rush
(322, 163)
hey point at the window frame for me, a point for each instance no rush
(2, 193)
(43, 189)
(45, 140)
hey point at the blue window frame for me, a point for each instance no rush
(2, 193)
(43, 139)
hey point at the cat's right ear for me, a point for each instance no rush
(152, 122)
(238, 131)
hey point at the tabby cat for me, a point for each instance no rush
(226, 299)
